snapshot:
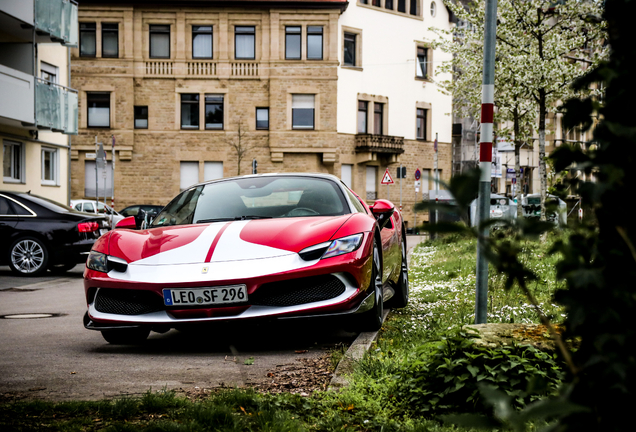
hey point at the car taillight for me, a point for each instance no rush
(87, 226)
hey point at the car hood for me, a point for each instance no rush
(222, 241)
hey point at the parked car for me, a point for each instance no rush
(39, 234)
(133, 210)
(261, 246)
(89, 206)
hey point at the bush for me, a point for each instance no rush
(446, 378)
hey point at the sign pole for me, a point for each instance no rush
(436, 176)
(485, 159)
(401, 187)
(96, 176)
(112, 196)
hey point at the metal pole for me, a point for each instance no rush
(400, 187)
(112, 197)
(436, 179)
(96, 176)
(485, 159)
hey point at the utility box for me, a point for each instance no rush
(501, 207)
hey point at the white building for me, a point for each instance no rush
(386, 97)
(38, 110)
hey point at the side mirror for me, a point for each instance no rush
(128, 222)
(382, 210)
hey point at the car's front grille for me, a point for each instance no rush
(298, 291)
(127, 302)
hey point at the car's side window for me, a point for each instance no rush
(78, 207)
(88, 207)
(355, 201)
(6, 209)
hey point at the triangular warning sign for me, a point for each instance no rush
(387, 178)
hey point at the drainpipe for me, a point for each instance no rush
(68, 167)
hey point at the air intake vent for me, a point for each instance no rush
(298, 291)
(127, 302)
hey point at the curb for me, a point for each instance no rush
(355, 353)
(359, 346)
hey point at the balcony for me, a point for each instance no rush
(58, 20)
(55, 107)
(16, 103)
(367, 143)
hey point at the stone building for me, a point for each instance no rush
(297, 85)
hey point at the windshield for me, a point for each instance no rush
(254, 198)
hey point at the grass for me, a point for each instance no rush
(442, 278)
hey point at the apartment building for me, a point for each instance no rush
(186, 87)
(38, 110)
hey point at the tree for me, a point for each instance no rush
(541, 48)
(240, 142)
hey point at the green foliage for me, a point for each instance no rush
(447, 378)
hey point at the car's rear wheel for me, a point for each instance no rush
(28, 257)
(401, 297)
(372, 319)
(126, 336)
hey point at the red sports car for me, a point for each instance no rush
(261, 246)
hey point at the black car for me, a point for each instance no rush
(39, 234)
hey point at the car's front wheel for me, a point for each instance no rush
(126, 336)
(372, 319)
(28, 257)
(401, 297)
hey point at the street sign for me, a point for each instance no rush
(101, 156)
(401, 172)
(418, 183)
(91, 155)
(418, 174)
(387, 180)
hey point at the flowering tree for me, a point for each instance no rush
(542, 47)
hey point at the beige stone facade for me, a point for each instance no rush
(149, 165)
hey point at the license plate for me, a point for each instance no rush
(205, 296)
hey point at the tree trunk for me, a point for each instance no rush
(518, 185)
(543, 176)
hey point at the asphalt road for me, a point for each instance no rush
(55, 358)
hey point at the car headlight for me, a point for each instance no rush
(331, 249)
(104, 263)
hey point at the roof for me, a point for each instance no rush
(314, 4)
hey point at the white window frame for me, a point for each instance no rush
(54, 180)
(301, 102)
(16, 174)
(51, 70)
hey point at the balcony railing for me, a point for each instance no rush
(379, 144)
(201, 68)
(246, 69)
(57, 18)
(55, 107)
(162, 68)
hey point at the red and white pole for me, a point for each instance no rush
(485, 160)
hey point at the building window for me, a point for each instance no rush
(376, 3)
(421, 124)
(48, 72)
(88, 40)
(413, 8)
(262, 118)
(402, 6)
(105, 181)
(363, 109)
(189, 111)
(292, 42)
(12, 161)
(347, 175)
(388, 4)
(189, 174)
(159, 41)
(202, 42)
(141, 117)
(422, 62)
(314, 42)
(378, 114)
(49, 166)
(244, 42)
(433, 9)
(214, 111)
(98, 110)
(303, 111)
(372, 175)
(350, 49)
(212, 170)
(110, 40)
